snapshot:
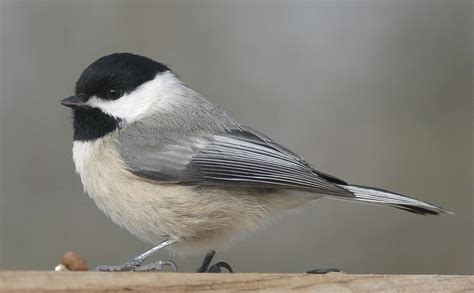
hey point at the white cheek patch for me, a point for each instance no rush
(158, 93)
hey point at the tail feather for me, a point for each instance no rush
(388, 198)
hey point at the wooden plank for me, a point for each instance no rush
(334, 282)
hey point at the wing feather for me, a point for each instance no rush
(235, 158)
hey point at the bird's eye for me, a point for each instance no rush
(114, 94)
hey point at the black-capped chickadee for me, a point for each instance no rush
(178, 172)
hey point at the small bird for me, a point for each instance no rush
(179, 173)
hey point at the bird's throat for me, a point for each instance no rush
(91, 124)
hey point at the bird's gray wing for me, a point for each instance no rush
(268, 141)
(241, 157)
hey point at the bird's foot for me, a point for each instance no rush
(157, 266)
(206, 266)
(216, 268)
(137, 266)
(323, 271)
(126, 267)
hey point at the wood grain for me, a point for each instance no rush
(38, 281)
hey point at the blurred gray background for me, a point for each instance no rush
(375, 92)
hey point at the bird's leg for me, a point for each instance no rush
(206, 262)
(215, 268)
(136, 263)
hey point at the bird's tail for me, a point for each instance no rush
(388, 198)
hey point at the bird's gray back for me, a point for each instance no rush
(200, 144)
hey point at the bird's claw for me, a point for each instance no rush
(216, 268)
(323, 271)
(126, 267)
(136, 266)
(157, 266)
(206, 266)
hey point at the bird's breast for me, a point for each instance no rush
(129, 201)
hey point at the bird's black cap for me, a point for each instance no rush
(124, 71)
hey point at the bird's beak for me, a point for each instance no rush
(77, 101)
